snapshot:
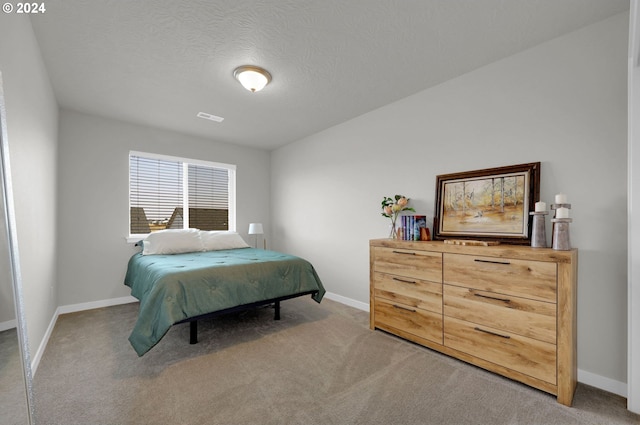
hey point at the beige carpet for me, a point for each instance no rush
(320, 364)
(13, 404)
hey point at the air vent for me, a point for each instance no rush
(209, 117)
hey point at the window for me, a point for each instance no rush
(177, 193)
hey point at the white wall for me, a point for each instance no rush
(32, 120)
(562, 103)
(93, 214)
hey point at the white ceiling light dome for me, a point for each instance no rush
(252, 78)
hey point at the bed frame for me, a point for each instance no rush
(193, 321)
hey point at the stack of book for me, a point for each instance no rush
(413, 228)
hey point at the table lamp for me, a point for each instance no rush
(256, 229)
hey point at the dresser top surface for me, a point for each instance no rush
(502, 250)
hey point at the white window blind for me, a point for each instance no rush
(159, 198)
(208, 197)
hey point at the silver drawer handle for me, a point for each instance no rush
(492, 333)
(404, 308)
(405, 253)
(506, 263)
(413, 282)
(506, 300)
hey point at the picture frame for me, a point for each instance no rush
(491, 204)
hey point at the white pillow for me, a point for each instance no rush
(214, 241)
(172, 241)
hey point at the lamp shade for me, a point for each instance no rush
(255, 229)
(252, 78)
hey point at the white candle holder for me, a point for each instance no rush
(560, 240)
(539, 233)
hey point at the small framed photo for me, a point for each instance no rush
(490, 204)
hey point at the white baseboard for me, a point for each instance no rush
(9, 324)
(348, 301)
(72, 308)
(35, 361)
(603, 383)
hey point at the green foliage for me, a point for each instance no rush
(400, 202)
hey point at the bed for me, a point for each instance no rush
(187, 286)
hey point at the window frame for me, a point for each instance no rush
(231, 168)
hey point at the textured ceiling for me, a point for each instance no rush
(160, 62)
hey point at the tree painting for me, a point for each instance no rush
(493, 205)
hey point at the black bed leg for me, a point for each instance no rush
(277, 314)
(193, 332)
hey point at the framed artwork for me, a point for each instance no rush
(491, 204)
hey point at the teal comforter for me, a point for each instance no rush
(175, 287)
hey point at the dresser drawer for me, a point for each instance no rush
(530, 318)
(409, 263)
(422, 323)
(409, 291)
(525, 355)
(528, 279)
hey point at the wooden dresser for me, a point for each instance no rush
(508, 309)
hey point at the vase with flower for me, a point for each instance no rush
(391, 208)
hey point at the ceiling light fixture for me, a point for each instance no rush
(252, 78)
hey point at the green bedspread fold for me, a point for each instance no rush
(175, 287)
